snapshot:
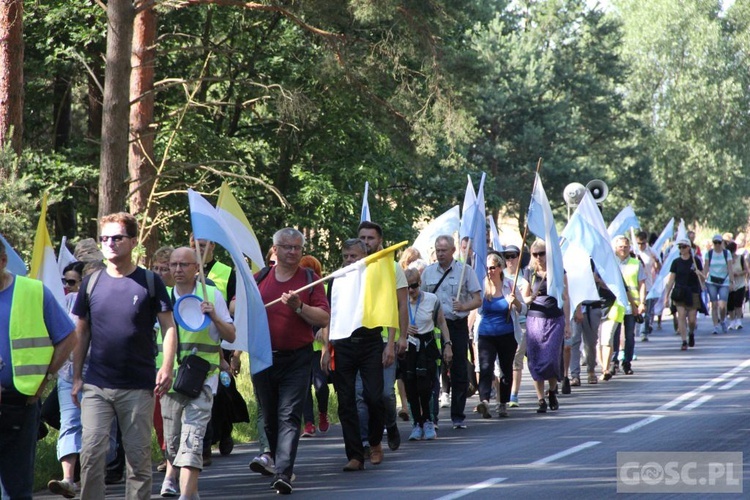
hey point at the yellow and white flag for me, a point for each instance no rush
(364, 294)
(43, 261)
(231, 212)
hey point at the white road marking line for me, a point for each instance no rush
(473, 488)
(697, 402)
(707, 385)
(639, 424)
(732, 383)
(565, 453)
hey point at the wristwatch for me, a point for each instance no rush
(299, 309)
(447, 343)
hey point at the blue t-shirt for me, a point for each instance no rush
(495, 318)
(56, 319)
(123, 345)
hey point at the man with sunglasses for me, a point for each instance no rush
(652, 266)
(443, 278)
(116, 320)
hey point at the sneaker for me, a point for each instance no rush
(429, 431)
(323, 423)
(592, 378)
(458, 425)
(513, 403)
(644, 338)
(445, 400)
(739, 325)
(65, 488)
(417, 433)
(566, 386)
(394, 438)
(484, 409)
(309, 430)
(169, 488)
(502, 410)
(684, 346)
(263, 464)
(282, 486)
(716, 330)
(691, 340)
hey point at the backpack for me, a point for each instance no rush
(94, 279)
(724, 252)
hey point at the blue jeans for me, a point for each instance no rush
(17, 467)
(629, 325)
(281, 393)
(717, 292)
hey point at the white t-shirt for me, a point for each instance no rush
(421, 312)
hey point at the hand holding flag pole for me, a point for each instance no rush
(344, 270)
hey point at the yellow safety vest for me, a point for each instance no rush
(219, 274)
(630, 274)
(205, 347)
(30, 346)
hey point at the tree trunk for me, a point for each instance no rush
(11, 73)
(114, 150)
(141, 163)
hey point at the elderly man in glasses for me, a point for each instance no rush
(281, 388)
(443, 278)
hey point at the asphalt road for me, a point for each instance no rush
(693, 401)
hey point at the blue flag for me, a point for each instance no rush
(666, 234)
(541, 222)
(624, 221)
(584, 234)
(473, 226)
(251, 319)
(365, 213)
(15, 262)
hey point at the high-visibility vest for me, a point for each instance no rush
(219, 274)
(630, 274)
(30, 346)
(205, 347)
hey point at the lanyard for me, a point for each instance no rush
(413, 314)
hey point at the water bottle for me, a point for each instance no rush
(225, 378)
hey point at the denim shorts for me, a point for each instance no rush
(717, 292)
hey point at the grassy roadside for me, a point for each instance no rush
(47, 467)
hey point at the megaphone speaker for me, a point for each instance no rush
(598, 189)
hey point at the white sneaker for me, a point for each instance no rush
(65, 488)
(169, 488)
(445, 400)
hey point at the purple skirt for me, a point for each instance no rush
(544, 344)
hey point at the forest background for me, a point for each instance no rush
(297, 103)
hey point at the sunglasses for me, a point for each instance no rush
(538, 254)
(414, 286)
(683, 246)
(511, 255)
(116, 238)
(69, 282)
(492, 268)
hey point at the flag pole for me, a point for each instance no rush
(525, 231)
(339, 273)
(201, 275)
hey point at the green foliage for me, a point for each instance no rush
(16, 205)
